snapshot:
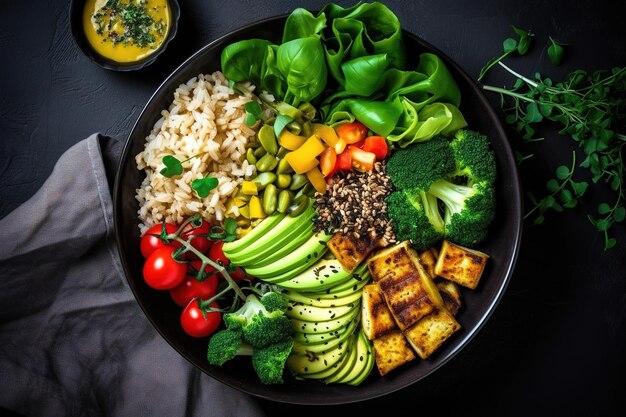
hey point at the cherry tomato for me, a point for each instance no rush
(216, 254)
(238, 274)
(377, 145)
(197, 324)
(344, 161)
(328, 160)
(198, 236)
(361, 160)
(196, 264)
(352, 132)
(191, 288)
(161, 271)
(149, 242)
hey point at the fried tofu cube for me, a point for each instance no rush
(451, 295)
(376, 318)
(392, 261)
(411, 296)
(428, 259)
(460, 264)
(428, 334)
(349, 250)
(391, 351)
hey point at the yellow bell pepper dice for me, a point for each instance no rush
(304, 158)
(316, 178)
(313, 146)
(327, 133)
(256, 208)
(301, 163)
(290, 141)
(249, 188)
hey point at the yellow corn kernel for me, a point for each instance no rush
(256, 208)
(290, 141)
(316, 178)
(249, 188)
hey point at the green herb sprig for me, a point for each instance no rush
(174, 167)
(521, 45)
(590, 108)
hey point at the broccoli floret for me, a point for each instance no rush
(258, 326)
(474, 157)
(417, 166)
(468, 210)
(225, 345)
(269, 362)
(273, 301)
(441, 178)
(415, 216)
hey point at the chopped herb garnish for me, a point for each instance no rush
(139, 27)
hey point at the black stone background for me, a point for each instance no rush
(555, 345)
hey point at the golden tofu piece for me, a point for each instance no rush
(391, 351)
(376, 319)
(349, 250)
(460, 264)
(451, 295)
(428, 334)
(411, 297)
(392, 261)
(428, 259)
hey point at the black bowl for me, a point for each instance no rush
(76, 25)
(502, 244)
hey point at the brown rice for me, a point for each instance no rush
(205, 122)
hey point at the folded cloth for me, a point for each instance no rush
(73, 341)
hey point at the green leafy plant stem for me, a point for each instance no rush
(563, 185)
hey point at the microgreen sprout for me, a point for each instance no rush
(174, 167)
(590, 108)
(521, 45)
(555, 52)
(254, 113)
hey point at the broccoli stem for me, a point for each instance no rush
(452, 195)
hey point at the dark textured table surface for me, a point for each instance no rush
(556, 344)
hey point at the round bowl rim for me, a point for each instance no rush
(472, 332)
(82, 43)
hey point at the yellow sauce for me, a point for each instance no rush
(126, 31)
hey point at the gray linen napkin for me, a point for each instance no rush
(73, 341)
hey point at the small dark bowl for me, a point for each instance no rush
(76, 25)
(502, 243)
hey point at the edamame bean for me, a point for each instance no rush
(284, 200)
(284, 167)
(307, 190)
(268, 139)
(263, 180)
(266, 163)
(308, 111)
(298, 181)
(298, 206)
(270, 197)
(281, 152)
(283, 180)
(259, 152)
(250, 156)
